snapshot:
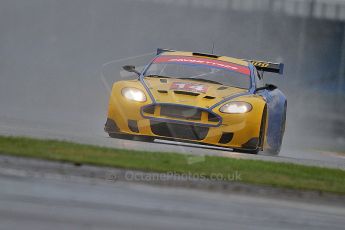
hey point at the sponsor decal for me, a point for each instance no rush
(203, 61)
(260, 64)
(190, 87)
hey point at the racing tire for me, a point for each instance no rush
(275, 151)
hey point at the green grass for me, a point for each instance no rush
(251, 171)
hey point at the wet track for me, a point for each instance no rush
(60, 202)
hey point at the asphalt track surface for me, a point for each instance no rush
(32, 199)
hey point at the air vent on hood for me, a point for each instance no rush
(222, 88)
(209, 97)
(162, 91)
(163, 80)
(186, 93)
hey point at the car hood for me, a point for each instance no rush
(187, 92)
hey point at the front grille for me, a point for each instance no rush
(180, 112)
(189, 132)
(187, 113)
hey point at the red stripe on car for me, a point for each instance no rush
(203, 61)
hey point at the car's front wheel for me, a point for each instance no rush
(276, 149)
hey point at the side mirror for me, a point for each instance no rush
(131, 68)
(269, 87)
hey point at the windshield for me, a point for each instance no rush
(200, 69)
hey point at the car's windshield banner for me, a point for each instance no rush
(203, 61)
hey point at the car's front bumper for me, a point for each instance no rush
(234, 131)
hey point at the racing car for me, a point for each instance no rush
(200, 98)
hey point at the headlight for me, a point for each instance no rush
(236, 107)
(133, 94)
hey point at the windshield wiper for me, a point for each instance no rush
(201, 79)
(157, 76)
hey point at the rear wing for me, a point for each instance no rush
(268, 66)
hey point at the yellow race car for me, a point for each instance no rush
(200, 98)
